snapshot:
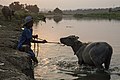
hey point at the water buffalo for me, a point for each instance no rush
(93, 54)
(7, 12)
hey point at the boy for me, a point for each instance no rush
(26, 38)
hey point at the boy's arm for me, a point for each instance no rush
(34, 36)
(35, 41)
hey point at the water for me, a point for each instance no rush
(58, 62)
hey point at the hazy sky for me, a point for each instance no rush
(67, 4)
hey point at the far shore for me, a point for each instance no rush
(114, 15)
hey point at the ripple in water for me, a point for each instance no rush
(59, 68)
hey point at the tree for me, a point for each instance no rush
(110, 10)
(1, 6)
(57, 11)
(32, 8)
(16, 6)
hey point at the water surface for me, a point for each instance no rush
(58, 62)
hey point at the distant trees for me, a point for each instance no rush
(32, 8)
(116, 9)
(1, 6)
(57, 11)
(16, 6)
(110, 10)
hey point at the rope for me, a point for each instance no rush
(47, 42)
(54, 42)
(50, 42)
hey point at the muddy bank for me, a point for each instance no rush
(14, 65)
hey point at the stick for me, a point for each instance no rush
(50, 42)
(34, 45)
(37, 48)
(40, 39)
(54, 42)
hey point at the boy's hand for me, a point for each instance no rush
(44, 41)
(35, 36)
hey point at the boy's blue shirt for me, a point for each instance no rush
(25, 38)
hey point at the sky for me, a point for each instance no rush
(67, 4)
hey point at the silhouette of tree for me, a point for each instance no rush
(110, 10)
(16, 6)
(57, 11)
(49, 12)
(32, 8)
(1, 6)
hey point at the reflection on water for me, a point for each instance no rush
(91, 76)
(96, 76)
(65, 68)
(58, 62)
(57, 19)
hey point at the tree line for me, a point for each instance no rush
(17, 6)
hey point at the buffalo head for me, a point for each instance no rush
(70, 40)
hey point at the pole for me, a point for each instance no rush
(50, 42)
(34, 46)
(37, 48)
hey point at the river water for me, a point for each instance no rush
(58, 62)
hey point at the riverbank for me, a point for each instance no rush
(106, 15)
(112, 15)
(14, 65)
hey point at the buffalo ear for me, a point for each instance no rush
(76, 39)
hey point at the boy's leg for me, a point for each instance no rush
(28, 50)
(33, 56)
(25, 48)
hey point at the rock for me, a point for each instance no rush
(17, 66)
(22, 62)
